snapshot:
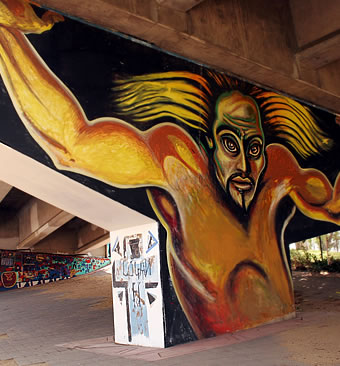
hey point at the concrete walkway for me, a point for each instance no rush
(70, 323)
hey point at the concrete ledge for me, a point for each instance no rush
(107, 346)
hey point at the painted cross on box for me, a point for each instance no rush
(137, 293)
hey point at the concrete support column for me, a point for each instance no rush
(137, 291)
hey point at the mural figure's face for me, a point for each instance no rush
(239, 146)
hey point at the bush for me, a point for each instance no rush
(303, 260)
(334, 265)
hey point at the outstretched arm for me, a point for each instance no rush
(107, 149)
(315, 197)
(310, 189)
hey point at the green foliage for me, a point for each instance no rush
(303, 260)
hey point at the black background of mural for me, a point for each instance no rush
(87, 60)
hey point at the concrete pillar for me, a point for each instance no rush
(137, 291)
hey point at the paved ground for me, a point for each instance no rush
(70, 323)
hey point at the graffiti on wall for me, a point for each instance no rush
(22, 269)
(225, 164)
(137, 294)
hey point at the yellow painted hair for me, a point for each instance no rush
(190, 99)
(180, 96)
(293, 123)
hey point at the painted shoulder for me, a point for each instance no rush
(169, 141)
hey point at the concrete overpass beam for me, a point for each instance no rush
(180, 5)
(321, 53)
(314, 20)
(38, 219)
(4, 189)
(91, 237)
(94, 244)
(257, 40)
(61, 241)
(9, 231)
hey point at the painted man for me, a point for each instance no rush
(217, 196)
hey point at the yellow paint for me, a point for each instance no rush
(184, 153)
(168, 207)
(286, 115)
(20, 15)
(233, 274)
(316, 188)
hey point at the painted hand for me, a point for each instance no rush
(19, 14)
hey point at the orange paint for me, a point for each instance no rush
(224, 252)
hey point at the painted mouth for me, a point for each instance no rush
(242, 184)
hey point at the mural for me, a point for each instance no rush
(22, 269)
(137, 292)
(225, 165)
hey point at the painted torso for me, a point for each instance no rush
(226, 277)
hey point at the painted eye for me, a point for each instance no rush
(230, 144)
(255, 150)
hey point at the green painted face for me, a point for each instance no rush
(239, 146)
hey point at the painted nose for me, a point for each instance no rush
(242, 164)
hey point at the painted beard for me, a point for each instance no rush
(241, 189)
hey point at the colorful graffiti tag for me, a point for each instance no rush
(137, 294)
(20, 269)
(225, 164)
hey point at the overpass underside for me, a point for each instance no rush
(199, 137)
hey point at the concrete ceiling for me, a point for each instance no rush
(291, 46)
(31, 224)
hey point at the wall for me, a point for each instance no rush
(9, 231)
(99, 252)
(62, 241)
(23, 269)
(224, 166)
